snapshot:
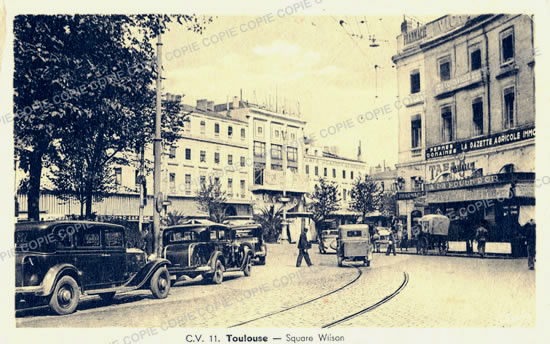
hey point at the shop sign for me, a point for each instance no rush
(434, 29)
(458, 169)
(489, 141)
(403, 196)
(469, 182)
(460, 195)
(123, 218)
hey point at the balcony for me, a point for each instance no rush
(448, 87)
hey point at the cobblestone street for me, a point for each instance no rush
(441, 292)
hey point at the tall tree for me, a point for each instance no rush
(212, 200)
(365, 196)
(73, 76)
(325, 200)
(388, 203)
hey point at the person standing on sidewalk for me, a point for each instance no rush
(531, 238)
(303, 246)
(481, 237)
(391, 244)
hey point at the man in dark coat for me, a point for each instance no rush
(531, 238)
(481, 237)
(391, 244)
(147, 243)
(303, 246)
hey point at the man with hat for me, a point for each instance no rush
(303, 246)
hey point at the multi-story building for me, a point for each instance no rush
(325, 162)
(467, 141)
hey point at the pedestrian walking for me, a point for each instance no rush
(391, 244)
(303, 246)
(481, 237)
(531, 239)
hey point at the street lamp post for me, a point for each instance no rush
(157, 152)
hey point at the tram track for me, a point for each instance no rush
(373, 306)
(286, 309)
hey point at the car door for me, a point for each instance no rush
(115, 271)
(89, 256)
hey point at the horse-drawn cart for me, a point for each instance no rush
(432, 232)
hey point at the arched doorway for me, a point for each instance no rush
(230, 211)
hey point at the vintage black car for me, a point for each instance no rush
(207, 249)
(58, 261)
(251, 235)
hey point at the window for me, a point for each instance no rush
(416, 131)
(415, 81)
(113, 237)
(230, 186)
(260, 131)
(333, 173)
(343, 174)
(307, 169)
(292, 169)
(276, 167)
(243, 161)
(293, 136)
(187, 184)
(89, 238)
(230, 159)
(325, 171)
(259, 149)
(477, 111)
(445, 69)
(230, 131)
(172, 182)
(203, 156)
(475, 58)
(276, 152)
(216, 158)
(316, 170)
(507, 45)
(172, 154)
(118, 176)
(292, 154)
(187, 153)
(344, 193)
(216, 180)
(447, 118)
(216, 129)
(203, 180)
(243, 188)
(509, 118)
(243, 133)
(64, 236)
(351, 175)
(259, 174)
(203, 127)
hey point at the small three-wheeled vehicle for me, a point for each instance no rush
(354, 244)
(433, 234)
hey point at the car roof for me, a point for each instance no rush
(44, 225)
(431, 216)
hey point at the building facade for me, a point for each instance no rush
(467, 142)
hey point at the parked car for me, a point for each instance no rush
(205, 248)
(251, 235)
(381, 238)
(59, 261)
(328, 240)
(354, 244)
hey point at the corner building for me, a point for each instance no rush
(467, 145)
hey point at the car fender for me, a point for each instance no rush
(55, 273)
(246, 253)
(214, 258)
(142, 277)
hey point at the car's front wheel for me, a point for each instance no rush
(160, 283)
(248, 267)
(217, 278)
(65, 296)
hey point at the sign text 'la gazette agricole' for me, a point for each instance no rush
(478, 143)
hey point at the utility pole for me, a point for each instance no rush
(142, 191)
(157, 206)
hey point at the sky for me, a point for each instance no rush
(326, 67)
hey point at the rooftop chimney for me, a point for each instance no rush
(406, 26)
(210, 105)
(235, 102)
(202, 104)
